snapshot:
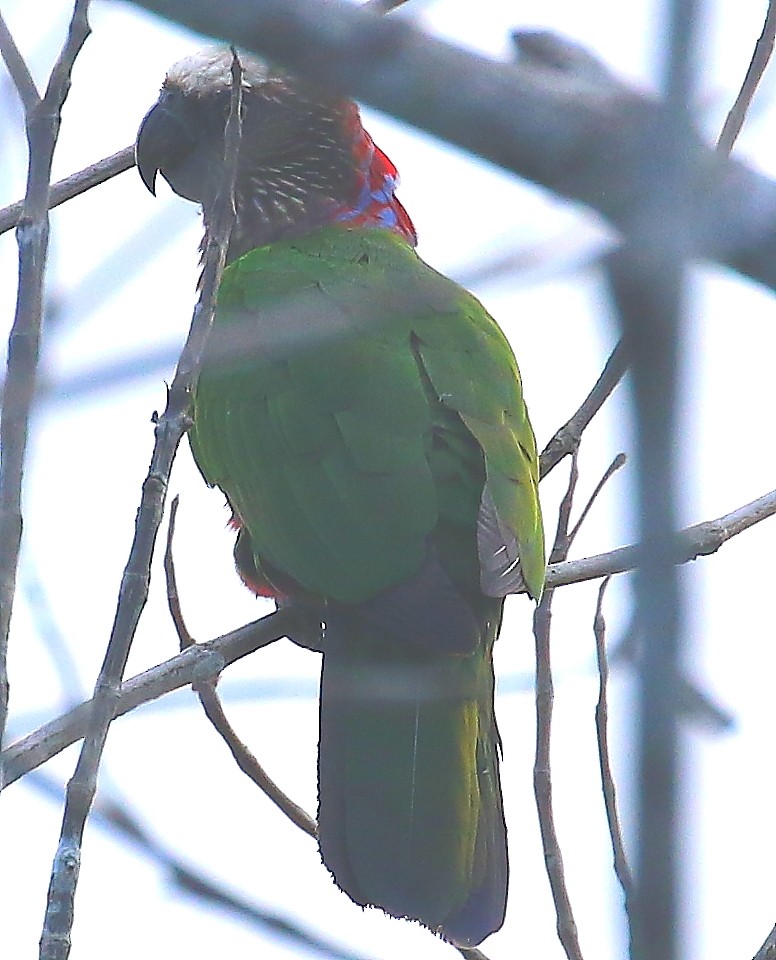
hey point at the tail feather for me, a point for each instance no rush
(410, 810)
(482, 913)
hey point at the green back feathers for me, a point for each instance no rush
(366, 399)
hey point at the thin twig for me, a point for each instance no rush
(560, 546)
(248, 763)
(542, 776)
(621, 866)
(566, 438)
(185, 639)
(42, 123)
(214, 711)
(762, 54)
(75, 184)
(170, 427)
(208, 659)
(618, 462)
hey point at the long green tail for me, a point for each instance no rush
(410, 813)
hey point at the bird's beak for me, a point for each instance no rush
(147, 148)
(162, 142)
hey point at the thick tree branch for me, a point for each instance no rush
(557, 117)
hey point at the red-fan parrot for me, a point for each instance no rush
(364, 417)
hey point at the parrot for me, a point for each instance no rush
(364, 417)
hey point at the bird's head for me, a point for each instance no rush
(304, 161)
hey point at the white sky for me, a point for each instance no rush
(89, 455)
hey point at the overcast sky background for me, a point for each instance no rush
(123, 269)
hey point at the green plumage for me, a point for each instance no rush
(354, 405)
(332, 358)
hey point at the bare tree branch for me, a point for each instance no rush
(621, 867)
(551, 117)
(170, 427)
(699, 540)
(185, 639)
(42, 123)
(74, 185)
(566, 438)
(542, 777)
(762, 54)
(553, 859)
(616, 464)
(214, 711)
(114, 814)
(247, 762)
